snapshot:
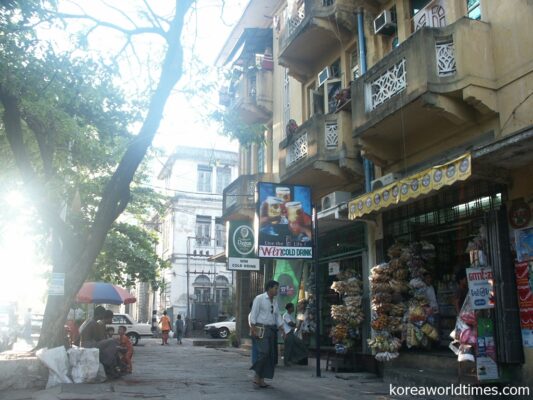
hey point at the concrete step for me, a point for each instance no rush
(419, 360)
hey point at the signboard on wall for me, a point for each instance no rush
(241, 247)
(284, 227)
(524, 285)
(480, 288)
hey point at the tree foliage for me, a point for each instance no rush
(66, 135)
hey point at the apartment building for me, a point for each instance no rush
(192, 231)
(410, 120)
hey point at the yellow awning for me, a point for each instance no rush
(412, 186)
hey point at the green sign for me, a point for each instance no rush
(241, 246)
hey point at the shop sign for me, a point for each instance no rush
(412, 186)
(284, 227)
(241, 247)
(524, 284)
(486, 365)
(524, 244)
(334, 268)
(57, 284)
(480, 288)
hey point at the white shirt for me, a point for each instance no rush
(265, 312)
(287, 319)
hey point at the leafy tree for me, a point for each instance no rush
(66, 129)
(129, 255)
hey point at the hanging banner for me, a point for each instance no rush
(524, 244)
(240, 246)
(524, 285)
(284, 227)
(412, 186)
(486, 365)
(480, 288)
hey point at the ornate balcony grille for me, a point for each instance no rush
(297, 150)
(294, 21)
(445, 52)
(331, 135)
(392, 82)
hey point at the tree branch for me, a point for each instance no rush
(105, 24)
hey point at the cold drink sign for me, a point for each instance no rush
(240, 247)
(480, 287)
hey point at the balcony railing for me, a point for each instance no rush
(437, 77)
(239, 196)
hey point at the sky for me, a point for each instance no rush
(184, 123)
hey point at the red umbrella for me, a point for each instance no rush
(104, 293)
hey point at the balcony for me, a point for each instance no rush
(312, 32)
(251, 96)
(239, 196)
(321, 154)
(435, 85)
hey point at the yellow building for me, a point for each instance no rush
(414, 122)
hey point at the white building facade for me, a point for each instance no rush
(191, 232)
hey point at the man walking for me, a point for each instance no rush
(179, 329)
(265, 321)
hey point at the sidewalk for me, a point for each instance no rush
(192, 372)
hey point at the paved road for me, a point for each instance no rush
(187, 372)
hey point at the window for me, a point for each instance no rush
(261, 158)
(417, 5)
(221, 295)
(223, 178)
(203, 230)
(203, 294)
(354, 65)
(204, 178)
(220, 234)
(286, 99)
(474, 9)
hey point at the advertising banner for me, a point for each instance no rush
(284, 226)
(56, 286)
(524, 284)
(480, 288)
(241, 246)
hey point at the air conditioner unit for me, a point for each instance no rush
(323, 76)
(385, 180)
(334, 199)
(385, 23)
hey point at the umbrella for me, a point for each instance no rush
(104, 293)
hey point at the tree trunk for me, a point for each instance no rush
(71, 257)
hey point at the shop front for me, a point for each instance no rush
(444, 295)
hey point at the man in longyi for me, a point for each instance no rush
(265, 320)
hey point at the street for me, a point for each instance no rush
(193, 372)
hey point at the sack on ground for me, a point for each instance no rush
(56, 360)
(84, 363)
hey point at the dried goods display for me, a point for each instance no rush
(349, 315)
(400, 306)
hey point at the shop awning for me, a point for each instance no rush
(412, 186)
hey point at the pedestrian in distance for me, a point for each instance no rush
(254, 341)
(265, 321)
(179, 328)
(166, 327)
(26, 332)
(295, 350)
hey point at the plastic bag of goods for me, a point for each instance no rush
(56, 360)
(84, 363)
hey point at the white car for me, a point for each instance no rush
(220, 329)
(134, 330)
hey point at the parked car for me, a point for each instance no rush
(220, 329)
(134, 330)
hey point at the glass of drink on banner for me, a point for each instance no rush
(294, 209)
(273, 205)
(284, 193)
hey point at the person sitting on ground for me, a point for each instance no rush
(295, 350)
(126, 353)
(90, 330)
